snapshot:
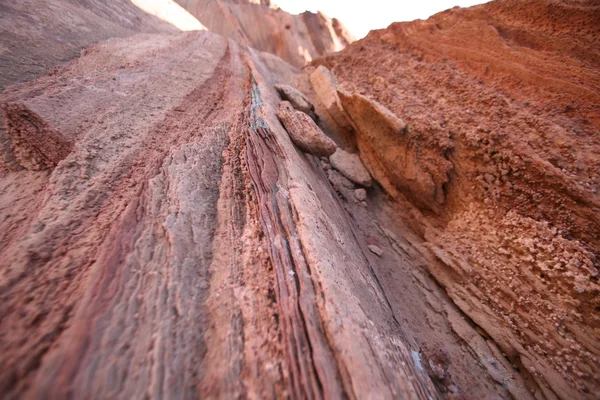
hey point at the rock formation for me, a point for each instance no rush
(497, 171)
(36, 36)
(304, 132)
(162, 236)
(69, 26)
(297, 39)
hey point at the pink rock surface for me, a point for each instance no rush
(297, 39)
(185, 230)
(162, 236)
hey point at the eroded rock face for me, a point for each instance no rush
(29, 51)
(501, 143)
(184, 229)
(304, 132)
(173, 242)
(297, 39)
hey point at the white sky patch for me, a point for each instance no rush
(359, 17)
(170, 12)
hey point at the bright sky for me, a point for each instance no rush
(359, 17)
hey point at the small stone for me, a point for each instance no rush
(339, 181)
(351, 167)
(304, 132)
(375, 250)
(360, 194)
(326, 166)
(296, 98)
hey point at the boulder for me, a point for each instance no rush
(304, 132)
(350, 165)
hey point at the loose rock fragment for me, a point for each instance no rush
(360, 194)
(351, 167)
(325, 85)
(304, 132)
(339, 182)
(387, 119)
(375, 250)
(419, 170)
(296, 98)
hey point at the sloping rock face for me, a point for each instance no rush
(498, 170)
(165, 238)
(37, 36)
(297, 39)
(182, 246)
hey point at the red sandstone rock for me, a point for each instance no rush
(501, 106)
(304, 132)
(184, 229)
(297, 39)
(38, 36)
(70, 26)
(174, 242)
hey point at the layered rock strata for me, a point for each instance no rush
(297, 39)
(165, 236)
(495, 168)
(182, 246)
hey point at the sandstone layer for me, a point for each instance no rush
(163, 237)
(297, 39)
(497, 171)
(36, 36)
(182, 245)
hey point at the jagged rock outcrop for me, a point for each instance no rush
(297, 39)
(165, 237)
(501, 108)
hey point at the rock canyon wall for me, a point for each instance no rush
(296, 39)
(186, 215)
(496, 165)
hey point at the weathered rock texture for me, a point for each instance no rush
(36, 36)
(295, 38)
(183, 247)
(497, 170)
(167, 239)
(304, 132)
